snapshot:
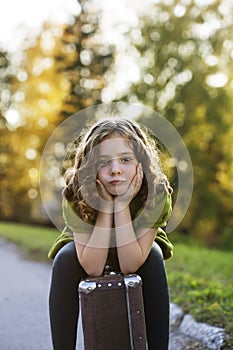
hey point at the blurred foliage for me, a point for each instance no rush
(84, 60)
(183, 49)
(6, 81)
(30, 114)
(186, 75)
(57, 74)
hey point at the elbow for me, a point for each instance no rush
(92, 268)
(128, 269)
(93, 271)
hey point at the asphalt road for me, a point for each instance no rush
(24, 314)
(24, 323)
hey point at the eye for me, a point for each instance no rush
(103, 162)
(126, 159)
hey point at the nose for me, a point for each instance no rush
(115, 167)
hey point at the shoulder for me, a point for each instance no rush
(158, 215)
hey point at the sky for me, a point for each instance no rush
(18, 17)
(26, 16)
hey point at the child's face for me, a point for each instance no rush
(117, 164)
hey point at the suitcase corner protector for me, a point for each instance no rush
(86, 287)
(132, 281)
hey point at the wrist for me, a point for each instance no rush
(120, 206)
(106, 206)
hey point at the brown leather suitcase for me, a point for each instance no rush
(113, 313)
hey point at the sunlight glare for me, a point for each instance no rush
(32, 193)
(211, 60)
(13, 117)
(179, 10)
(25, 18)
(22, 76)
(43, 122)
(217, 80)
(31, 153)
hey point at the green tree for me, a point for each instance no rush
(84, 60)
(56, 75)
(186, 64)
(6, 85)
(30, 114)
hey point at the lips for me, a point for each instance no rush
(116, 182)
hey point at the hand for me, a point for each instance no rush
(123, 200)
(103, 192)
(106, 199)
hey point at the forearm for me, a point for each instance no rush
(93, 254)
(131, 254)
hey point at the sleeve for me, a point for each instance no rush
(166, 210)
(72, 220)
(157, 216)
(64, 238)
(73, 223)
(164, 243)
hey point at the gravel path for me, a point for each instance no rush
(24, 323)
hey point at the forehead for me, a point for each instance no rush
(114, 145)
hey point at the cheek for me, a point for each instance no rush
(132, 171)
(101, 174)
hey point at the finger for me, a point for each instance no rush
(99, 183)
(136, 184)
(103, 192)
(139, 177)
(140, 170)
(101, 187)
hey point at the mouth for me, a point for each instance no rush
(116, 182)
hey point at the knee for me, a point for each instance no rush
(153, 274)
(65, 255)
(154, 262)
(156, 254)
(66, 260)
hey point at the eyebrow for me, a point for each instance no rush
(119, 154)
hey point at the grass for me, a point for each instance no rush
(201, 282)
(200, 279)
(33, 241)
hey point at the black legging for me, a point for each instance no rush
(64, 304)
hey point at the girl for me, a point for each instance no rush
(116, 200)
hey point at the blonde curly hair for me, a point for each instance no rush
(80, 179)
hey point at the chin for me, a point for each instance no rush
(118, 193)
(118, 190)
